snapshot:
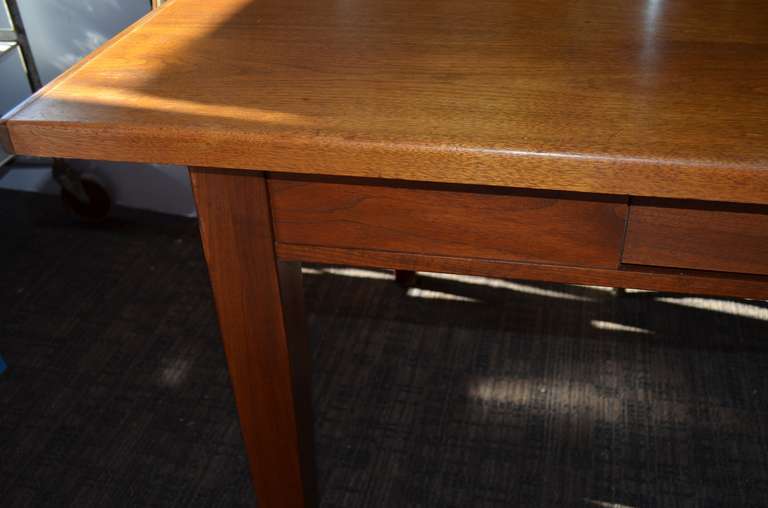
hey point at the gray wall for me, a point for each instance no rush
(63, 31)
(5, 18)
(14, 86)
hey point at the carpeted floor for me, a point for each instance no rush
(462, 392)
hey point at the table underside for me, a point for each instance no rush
(256, 228)
(665, 245)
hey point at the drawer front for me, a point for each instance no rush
(536, 227)
(726, 239)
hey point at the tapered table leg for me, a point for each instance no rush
(259, 302)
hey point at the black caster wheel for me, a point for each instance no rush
(96, 208)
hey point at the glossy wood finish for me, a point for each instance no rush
(543, 227)
(631, 98)
(626, 276)
(648, 98)
(699, 236)
(260, 308)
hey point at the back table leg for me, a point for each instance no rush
(259, 301)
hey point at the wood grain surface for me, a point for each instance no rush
(548, 227)
(728, 239)
(649, 98)
(259, 302)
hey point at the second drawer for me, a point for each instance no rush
(726, 238)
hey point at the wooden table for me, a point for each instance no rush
(582, 141)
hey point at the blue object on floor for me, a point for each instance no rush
(2, 365)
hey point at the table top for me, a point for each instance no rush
(643, 97)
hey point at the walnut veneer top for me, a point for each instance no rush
(644, 97)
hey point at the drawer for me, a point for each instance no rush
(727, 238)
(540, 227)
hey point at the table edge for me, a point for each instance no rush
(389, 161)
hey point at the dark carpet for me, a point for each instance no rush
(461, 392)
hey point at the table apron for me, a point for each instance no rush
(661, 245)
